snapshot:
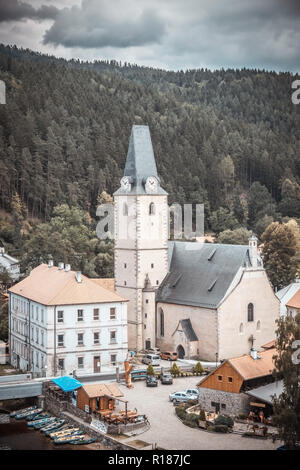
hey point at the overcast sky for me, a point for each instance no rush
(169, 34)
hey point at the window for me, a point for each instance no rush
(152, 265)
(125, 209)
(250, 312)
(96, 338)
(42, 315)
(113, 312)
(223, 406)
(79, 315)
(145, 315)
(113, 336)
(125, 265)
(80, 362)
(60, 341)
(220, 378)
(113, 360)
(157, 282)
(258, 325)
(125, 283)
(96, 313)
(145, 327)
(61, 364)
(37, 336)
(42, 338)
(151, 208)
(60, 316)
(230, 379)
(213, 404)
(162, 324)
(147, 301)
(37, 314)
(79, 339)
(241, 328)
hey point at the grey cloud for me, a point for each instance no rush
(15, 10)
(98, 24)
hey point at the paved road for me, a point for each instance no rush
(169, 432)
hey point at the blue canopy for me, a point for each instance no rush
(67, 384)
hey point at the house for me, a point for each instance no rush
(225, 389)
(202, 300)
(61, 322)
(293, 305)
(285, 294)
(97, 397)
(9, 264)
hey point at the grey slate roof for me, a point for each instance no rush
(201, 273)
(188, 330)
(140, 161)
(266, 392)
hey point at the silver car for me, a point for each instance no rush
(179, 397)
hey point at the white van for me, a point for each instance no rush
(152, 359)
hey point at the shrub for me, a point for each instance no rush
(191, 424)
(180, 412)
(224, 420)
(150, 370)
(210, 428)
(199, 369)
(191, 417)
(175, 370)
(191, 403)
(242, 416)
(221, 428)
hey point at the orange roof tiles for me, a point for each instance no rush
(52, 286)
(269, 345)
(294, 302)
(249, 368)
(99, 390)
(107, 283)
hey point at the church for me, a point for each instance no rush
(205, 301)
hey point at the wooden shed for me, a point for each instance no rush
(98, 397)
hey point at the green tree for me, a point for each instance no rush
(279, 250)
(287, 368)
(4, 321)
(198, 368)
(175, 370)
(223, 219)
(239, 236)
(150, 370)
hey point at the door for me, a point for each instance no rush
(180, 352)
(217, 407)
(97, 365)
(148, 344)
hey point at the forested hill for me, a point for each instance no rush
(216, 135)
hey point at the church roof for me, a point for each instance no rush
(200, 274)
(140, 161)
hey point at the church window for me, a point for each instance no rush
(147, 301)
(125, 265)
(162, 324)
(152, 265)
(157, 282)
(125, 209)
(241, 328)
(144, 327)
(125, 283)
(258, 325)
(250, 312)
(152, 208)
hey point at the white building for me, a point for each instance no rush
(285, 295)
(61, 321)
(8, 263)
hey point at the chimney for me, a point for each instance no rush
(253, 250)
(60, 266)
(50, 263)
(253, 353)
(67, 267)
(78, 276)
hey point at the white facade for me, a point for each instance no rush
(58, 340)
(10, 264)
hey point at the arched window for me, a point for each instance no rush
(152, 208)
(162, 324)
(250, 312)
(258, 325)
(125, 209)
(241, 328)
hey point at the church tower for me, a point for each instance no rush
(141, 238)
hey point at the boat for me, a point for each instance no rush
(53, 426)
(37, 416)
(24, 415)
(24, 410)
(80, 440)
(68, 438)
(63, 428)
(64, 432)
(38, 421)
(39, 425)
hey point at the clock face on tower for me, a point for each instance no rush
(125, 183)
(151, 185)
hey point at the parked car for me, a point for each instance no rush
(152, 351)
(151, 381)
(166, 378)
(152, 359)
(193, 393)
(169, 356)
(179, 397)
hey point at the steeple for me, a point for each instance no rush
(140, 164)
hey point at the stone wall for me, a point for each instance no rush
(235, 402)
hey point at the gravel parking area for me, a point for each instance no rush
(168, 432)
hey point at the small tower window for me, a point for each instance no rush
(152, 208)
(241, 328)
(258, 325)
(162, 324)
(125, 209)
(152, 265)
(250, 312)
